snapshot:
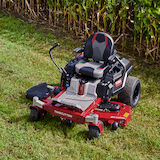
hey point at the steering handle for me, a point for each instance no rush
(61, 69)
(57, 44)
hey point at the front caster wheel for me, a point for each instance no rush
(115, 125)
(94, 132)
(34, 114)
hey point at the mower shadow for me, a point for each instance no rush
(55, 125)
(49, 123)
(83, 135)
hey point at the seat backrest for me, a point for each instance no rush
(99, 46)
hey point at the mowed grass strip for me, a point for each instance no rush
(24, 62)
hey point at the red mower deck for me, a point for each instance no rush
(92, 115)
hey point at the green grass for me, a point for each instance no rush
(24, 62)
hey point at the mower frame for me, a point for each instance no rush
(94, 115)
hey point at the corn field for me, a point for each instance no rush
(138, 20)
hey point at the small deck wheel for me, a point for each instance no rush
(69, 122)
(115, 125)
(34, 114)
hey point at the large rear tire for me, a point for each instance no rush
(131, 92)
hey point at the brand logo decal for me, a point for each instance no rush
(118, 117)
(118, 82)
(63, 114)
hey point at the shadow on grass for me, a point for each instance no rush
(83, 135)
(19, 118)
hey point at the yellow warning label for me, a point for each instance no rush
(126, 114)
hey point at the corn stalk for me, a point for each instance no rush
(85, 17)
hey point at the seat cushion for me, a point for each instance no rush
(91, 69)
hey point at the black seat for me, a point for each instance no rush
(99, 47)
